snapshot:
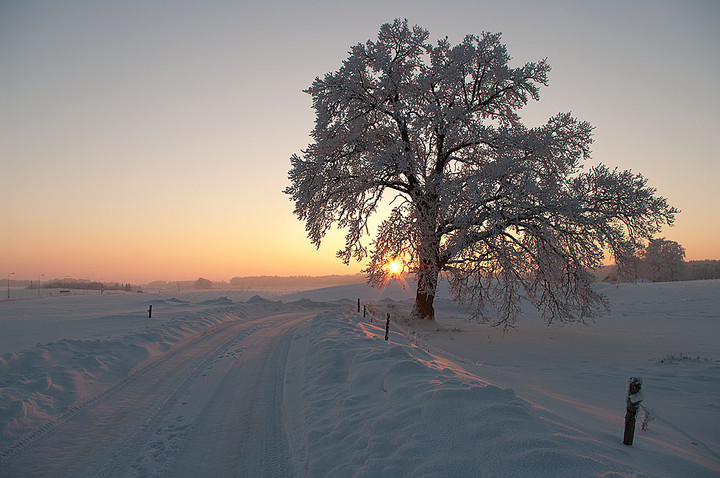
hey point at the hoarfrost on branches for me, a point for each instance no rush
(664, 260)
(504, 210)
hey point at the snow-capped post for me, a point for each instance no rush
(387, 326)
(633, 399)
(150, 312)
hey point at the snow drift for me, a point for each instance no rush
(376, 408)
(454, 399)
(44, 382)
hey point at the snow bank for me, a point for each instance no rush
(42, 383)
(457, 399)
(377, 408)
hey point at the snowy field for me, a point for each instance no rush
(221, 383)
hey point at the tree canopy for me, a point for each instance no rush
(664, 260)
(505, 211)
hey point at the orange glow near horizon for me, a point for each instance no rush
(164, 252)
(219, 257)
(149, 155)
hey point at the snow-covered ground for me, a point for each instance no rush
(219, 383)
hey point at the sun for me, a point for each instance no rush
(394, 267)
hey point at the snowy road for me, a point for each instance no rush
(218, 386)
(212, 407)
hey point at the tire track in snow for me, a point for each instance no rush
(28, 440)
(247, 422)
(132, 447)
(103, 436)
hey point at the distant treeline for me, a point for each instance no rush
(262, 282)
(701, 270)
(255, 282)
(687, 270)
(82, 284)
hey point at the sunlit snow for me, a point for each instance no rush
(220, 383)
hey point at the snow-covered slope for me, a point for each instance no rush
(453, 399)
(420, 405)
(84, 344)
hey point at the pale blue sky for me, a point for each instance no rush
(150, 139)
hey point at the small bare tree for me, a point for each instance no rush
(505, 210)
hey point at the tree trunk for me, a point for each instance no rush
(424, 306)
(427, 278)
(428, 258)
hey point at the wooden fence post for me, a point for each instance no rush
(358, 305)
(364, 311)
(633, 399)
(150, 312)
(387, 326)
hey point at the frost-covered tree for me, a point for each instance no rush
(202, 283)
(664, 260)
(506, 211)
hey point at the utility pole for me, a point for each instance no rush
(8, 283)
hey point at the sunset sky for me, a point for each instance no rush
(144, 140)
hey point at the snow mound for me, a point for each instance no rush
(219, 301)
(377, 408)
(256, 299)
(175, 300)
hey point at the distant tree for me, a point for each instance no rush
(203, 284)
(158, 284)
(505, 210)
(664, 260)
(701, 270)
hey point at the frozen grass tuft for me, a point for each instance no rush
(673, 358)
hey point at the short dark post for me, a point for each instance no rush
(633, 399)
(364, 311)
(150, 312)
(387, 327)
(358, 305)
